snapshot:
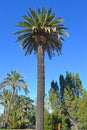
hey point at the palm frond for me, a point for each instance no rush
(35, 17)
(29, 15)
(28, 48)
(25, 24)
(49, 12)
(33, 13)
(50, 18)
(29, 20)
(23, 36)
(22, 31)
(39, 15)
(64, 33)
(56, 21)
(43, 16)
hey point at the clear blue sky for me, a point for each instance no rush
(74, 52)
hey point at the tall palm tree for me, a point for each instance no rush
(41, 32)
(13, 80)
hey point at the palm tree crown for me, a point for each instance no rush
(14, 80)
(41, 28)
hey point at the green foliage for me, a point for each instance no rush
(53, 96)
(22, 111)
(64, 125)
(50, 120)
(14, 118)
(47, 121)
(68, 102)
(41, 28)
(70, 93)
(82, 111)
(15, 81)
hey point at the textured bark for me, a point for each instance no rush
(40, 90)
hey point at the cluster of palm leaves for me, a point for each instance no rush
(43, 28)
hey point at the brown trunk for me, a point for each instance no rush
(40, 90)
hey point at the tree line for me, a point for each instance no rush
(65, 104)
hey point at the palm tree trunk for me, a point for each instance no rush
(8, 111)
(40, 90)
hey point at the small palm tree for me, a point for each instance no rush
(41, 33)
(15, 81)
(4, 100)
(4, 97)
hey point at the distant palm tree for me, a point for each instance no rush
(4, 100)
(41, 33)
(13, 80)
(4, 97)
